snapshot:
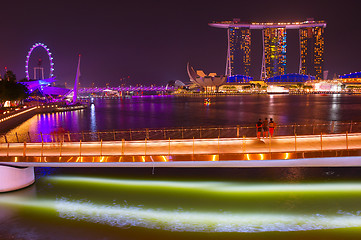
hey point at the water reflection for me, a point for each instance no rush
(93, 123)
(335, 107)
(164, 112)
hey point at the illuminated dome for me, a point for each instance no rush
(204, 81)
(290, 78)
(351, 75)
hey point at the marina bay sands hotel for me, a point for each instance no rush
(274, 37)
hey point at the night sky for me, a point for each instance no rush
(151, 41)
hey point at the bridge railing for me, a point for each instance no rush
(181, 133)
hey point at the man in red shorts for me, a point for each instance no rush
(272, 126)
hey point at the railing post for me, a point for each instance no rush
(42, 149)
(346, 140)
(6, 139)
(68, 136)
(313, 129)
(130, 134)
(61, 147)
(41, 135)
(237, 131)
(321, 140)
(24, 153)
(351, 127)
(294, 130)
(295, 142)
(123, 142)
(114, 135)
(165, 137)
(147, 133)
(200, 132)
(332, 127)
(145, 147)
(7, 154)
(182, 133)
(101, 147)
(244, 144)
(169, 149)
(193, 149)
(29, 137)
(218, 145)
(80, 148)
(17, 138)
(82, 136)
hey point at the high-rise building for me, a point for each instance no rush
(274, 52)
(274, 47)
(239, 51)
(311, 51)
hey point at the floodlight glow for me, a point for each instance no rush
(220, 187)
(186, 221)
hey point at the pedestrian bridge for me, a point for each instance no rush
(17, 160)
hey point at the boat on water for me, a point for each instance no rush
(207, 101)
(71, 107)
(277, 90)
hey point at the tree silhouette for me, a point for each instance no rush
(9, 76)
(10, 90)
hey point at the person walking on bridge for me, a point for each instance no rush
(259, 128)
(272, 126)
(265, 127)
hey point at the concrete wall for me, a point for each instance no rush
(14, 178)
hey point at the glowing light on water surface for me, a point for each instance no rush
(194, 221)
(219, 187)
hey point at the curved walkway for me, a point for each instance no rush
(285, 147)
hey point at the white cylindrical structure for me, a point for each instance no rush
(14, 178)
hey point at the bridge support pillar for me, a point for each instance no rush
(14, 178)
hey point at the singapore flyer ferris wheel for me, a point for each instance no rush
(37, 45)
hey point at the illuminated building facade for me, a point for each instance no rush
(351, 78)
(274, 47)
(274, 52)
(239, 51)
(312, 45)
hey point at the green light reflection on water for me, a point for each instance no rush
(194, 221)
(196, 206)
(217, 196)
(217, 187)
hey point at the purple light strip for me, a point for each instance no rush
(144, 88)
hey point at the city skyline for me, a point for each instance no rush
(152, 43)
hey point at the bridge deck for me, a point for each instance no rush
(285, 147)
